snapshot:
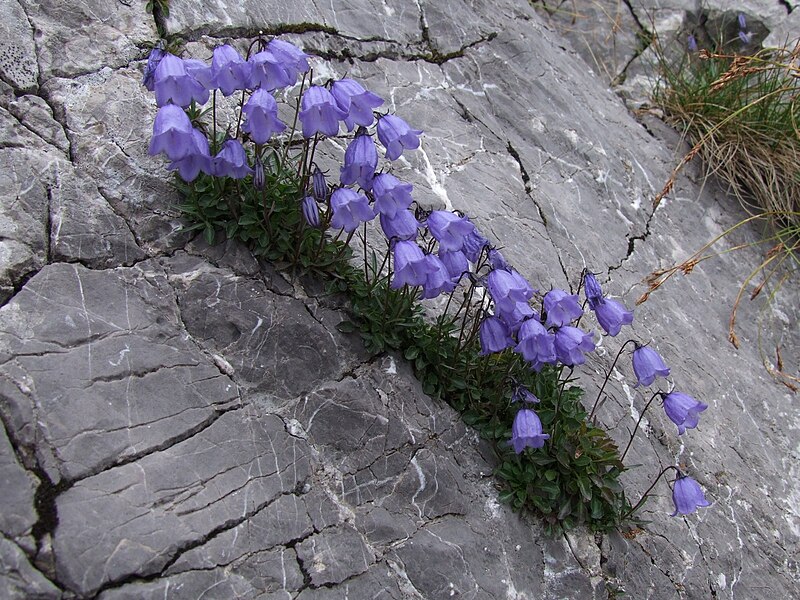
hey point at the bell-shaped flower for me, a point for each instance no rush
(268, 71)
(612, 315)
(173, 84)
(349, 209)
(592, 289)
(494, 336)
(310, 211)
(571, 344)
(357, 102)
(683, 410)
(498, 261)
(456, 263)
(449, 229)
(319, 113)
(360, 162)
(526, 431)
(410, 266)
(507, 288)
(172, 133)
(402, 226)
(438, 280)
(395, 135)
(523, 394)
(229, 71)
(647, 365)
(231, 161)
(292, 59)
(520, 312)
(390, 194)
(189, 166)
(536, 344)
(687, 495)
(155, 56)
(200, 71)
(262, 121)
(474, 243)
(561, 308)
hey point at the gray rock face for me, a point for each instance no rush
(182, 421)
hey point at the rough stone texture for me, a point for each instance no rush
(185, 422)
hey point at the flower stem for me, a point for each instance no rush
(644, 496)
(641, 416)
(608, 375)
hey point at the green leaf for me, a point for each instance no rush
(346, 327)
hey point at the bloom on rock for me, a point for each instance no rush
(474, 243)
(360, 162)
(456, 263)
(612, 315)
(507, 288)
(231, 161)
(357, 102)
(277, 65)
(683, 410)
(293, 60)
(494, 336)
(156, 54)
(438, 280)
(174, 85)
(172, 133)
(189, 166)
(319, 113)
(402, 226)
(395, 135)
(391, 195)
(592, 289)
(687, 495)
(410, 266)
(527, 431)
(229, 71)
(647, 365)
(349, 209)
(561, 308)
(262, 121)
(571, 344)
(536, 344)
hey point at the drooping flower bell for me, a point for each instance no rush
(612, 315)
(497, 260)
(526, 431)
(647, 365)
(402, 226)
(449, 229)
(592, 289)
(349, 209)
(561, 308)
(572, 344)
(494, 336)
(190, 166)
(172, 133)
(391, 195)
(229, 71)
(438, 279)
(507, 288)
(683, 410)
(410, 266)
(155, 56)
(396, 136)
(523, 394)
(174, 85)
(474, 243)
(277, 65)
(293, 60)
(319, 112)
(231, 161)
(262, 120)
(456, 263)
(357, 102)
(687, 495)
(360, 162)
(536, 344)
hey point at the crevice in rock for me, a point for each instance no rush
(19, 284)
(48, 237)
(644, 37)
(526, 180)
(632, 239)
(60, 117)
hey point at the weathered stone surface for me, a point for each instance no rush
(19, 486)
(333, 555)
(35, 115)
(19, 580)
(18, 60)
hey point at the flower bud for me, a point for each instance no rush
(311, 211)
(319, 185)
(258, 175)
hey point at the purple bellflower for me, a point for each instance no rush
(258, 174)
(498, 261)
(349, 209)
(357, 102)
(691, 43)
(229, 71)
(200, 71)
(310, 211)
(174, 85)
(402, 226)
(687, 495)
(271, 70)
(189, 166)
(561, 308)
(438, 279)
(319, 113)
(391, 195)
(683, 410)
(508, 288)
(647, 365)
(612, 315)
(360, 162)
(172, 134)
(527, 431)
(456, 263)
(396, 135)
(292, 59)
(156, 54)
(410, 266)
(319, 186)
(536, 344)
(231, 161)
(514, 318)
(449, 229)
(571, 344)
(523, 394)
(262, 121)
(474, 243)
(494, 336)
(592, 289)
